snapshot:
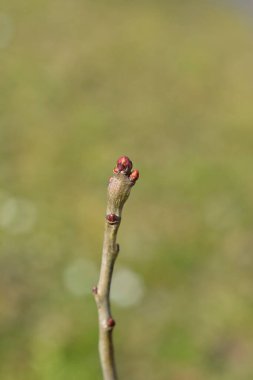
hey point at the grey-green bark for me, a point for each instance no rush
(118, 191)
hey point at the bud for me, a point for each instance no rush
(111, 322)
(116, 170)
(112, 218)
(134, 176)
(124, 165)
(95, 290)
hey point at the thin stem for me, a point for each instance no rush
(118, 191)
(106, 323)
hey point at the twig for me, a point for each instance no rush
(118, 191)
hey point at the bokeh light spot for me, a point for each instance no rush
(127, 288)
(80, 276)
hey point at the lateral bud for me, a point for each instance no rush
(112, 218)
(134, 176)
(95, 290)
(111, 322)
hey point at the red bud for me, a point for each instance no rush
(134, 175)
(111, 322)
(112, 218)
(116, 170)
(124, 165)
(94, 290)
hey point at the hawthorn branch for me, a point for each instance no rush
(118, 191)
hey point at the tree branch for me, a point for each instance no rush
(118, 191)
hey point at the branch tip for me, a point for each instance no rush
(118, 191)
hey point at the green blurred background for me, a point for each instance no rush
(170, 85)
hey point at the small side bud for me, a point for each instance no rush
(95, 290)
(112, 219)
(124, 165)
(111, 322)
(116, 170)
(134, 176)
